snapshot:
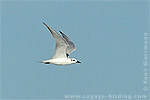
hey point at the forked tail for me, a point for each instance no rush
(44, 62)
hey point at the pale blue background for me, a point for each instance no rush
(109, 40)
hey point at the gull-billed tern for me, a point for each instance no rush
(64, 47)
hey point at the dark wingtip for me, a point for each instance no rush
(47, 63)
(44, 23)
(43, 62)
(60, 32)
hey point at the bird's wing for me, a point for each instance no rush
(61, 44)
(71, 46)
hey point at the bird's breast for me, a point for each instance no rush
(61, 61)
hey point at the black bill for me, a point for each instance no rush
(78, 62)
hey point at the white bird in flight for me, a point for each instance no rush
(64, 47)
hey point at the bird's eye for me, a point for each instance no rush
(72, 60)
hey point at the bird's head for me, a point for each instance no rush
(73, 60)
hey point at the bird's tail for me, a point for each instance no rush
(45, 62)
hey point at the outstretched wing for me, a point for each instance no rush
(61, 44)
(71, 46)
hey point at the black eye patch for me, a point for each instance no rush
(72, 60)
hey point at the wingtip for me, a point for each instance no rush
(60, 32)
(44, 23)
